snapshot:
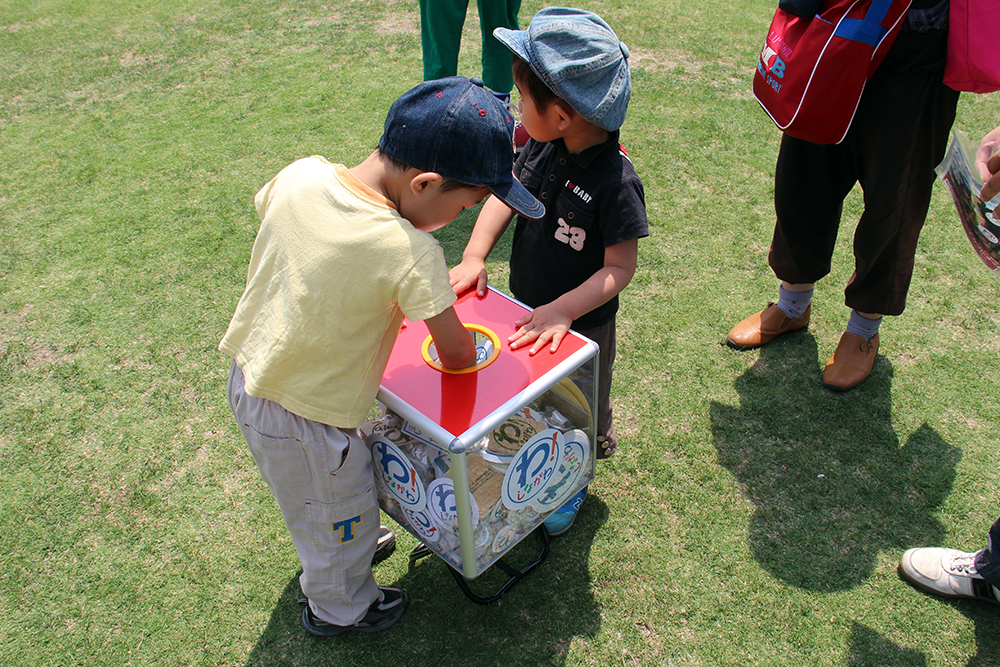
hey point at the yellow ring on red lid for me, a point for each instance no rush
(475, 328)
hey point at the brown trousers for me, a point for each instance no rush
(899, 134)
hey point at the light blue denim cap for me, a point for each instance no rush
(580, 58)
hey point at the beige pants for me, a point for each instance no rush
(323, 480)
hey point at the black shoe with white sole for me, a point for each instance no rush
(385, 611)
(386, 544)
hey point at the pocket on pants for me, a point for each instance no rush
(282, 461)
(346, 532)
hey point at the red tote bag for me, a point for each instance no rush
(973, 64)
(811, 72)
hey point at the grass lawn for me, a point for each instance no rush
(750, 517)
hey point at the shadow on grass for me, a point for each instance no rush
(868, 647)
(830, 482)
(984, 616)
(533, 623)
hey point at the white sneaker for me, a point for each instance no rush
(947, 572)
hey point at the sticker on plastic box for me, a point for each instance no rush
(442, 506)
(576, 452)
(414, 432)
(532, 469)
(422, 525)
(505, 539)
(507, 438)
(397, 474)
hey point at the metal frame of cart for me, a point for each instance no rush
(429, 400)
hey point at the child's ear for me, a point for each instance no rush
(421, 181)
(564, 115)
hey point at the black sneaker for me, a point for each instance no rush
(386, 544)
(385, 611)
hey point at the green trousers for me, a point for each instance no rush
(441, 24)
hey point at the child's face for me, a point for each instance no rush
(434, 208)
(539, 126)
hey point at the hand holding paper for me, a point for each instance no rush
(988, 164)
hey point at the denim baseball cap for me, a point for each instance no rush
(457, 128)
(580, 58)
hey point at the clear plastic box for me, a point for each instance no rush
(471, 462)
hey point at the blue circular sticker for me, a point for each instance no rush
(576, 452)
(442, 506)
(395, 472)
(532, 468)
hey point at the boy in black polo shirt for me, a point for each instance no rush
(573, 76)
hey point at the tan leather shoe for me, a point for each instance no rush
(763, 327)
(851, 363)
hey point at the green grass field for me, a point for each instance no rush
(750, 518)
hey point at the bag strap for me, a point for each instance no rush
(868, 30)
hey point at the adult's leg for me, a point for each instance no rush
(988, 560)
(900, 133)
(810, 183)
(441, 24)
(496, 57)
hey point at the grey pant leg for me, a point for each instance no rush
(323, 480)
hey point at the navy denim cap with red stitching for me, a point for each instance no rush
(457, 128)
(580, 58)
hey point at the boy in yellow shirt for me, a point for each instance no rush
(342, 255)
